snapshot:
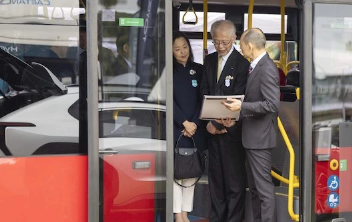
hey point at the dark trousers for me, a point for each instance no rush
(261, 185)
(227, 180)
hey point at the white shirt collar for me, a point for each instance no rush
(225, 57)
(255, 61)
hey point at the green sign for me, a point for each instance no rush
(343, 165)
(131, 22)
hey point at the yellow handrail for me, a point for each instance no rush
(250, 13)
(205, 28)
(291, 184)
(285, 180)
(283, 52)
(278, 64)
(290, 64)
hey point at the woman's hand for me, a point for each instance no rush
(190, 127)
(186, 134)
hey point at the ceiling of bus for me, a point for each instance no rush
(288, 3)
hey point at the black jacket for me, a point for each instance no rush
(188, 102)
(236, 70)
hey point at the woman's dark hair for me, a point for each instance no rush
(177, 35)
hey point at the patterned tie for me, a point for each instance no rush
(219, 68)
(250, 69)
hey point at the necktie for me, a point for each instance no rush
(219, 68)
(250, 69)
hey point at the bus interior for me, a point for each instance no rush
(126, 172)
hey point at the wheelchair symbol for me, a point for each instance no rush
(333, 182)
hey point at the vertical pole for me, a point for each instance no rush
(307, 167)
(169, 112)
(92, 109)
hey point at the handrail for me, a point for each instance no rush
(291, 63)
(291, 184)
(250, 13)
(283, 52)
(205, 28)
(278, 64)
(285, 180)
(190, 8)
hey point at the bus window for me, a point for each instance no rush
(212, 17)
(268, 23)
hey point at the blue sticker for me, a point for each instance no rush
(194, 83)
(333, 183)
(333, 200)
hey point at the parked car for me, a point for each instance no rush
(39, 119)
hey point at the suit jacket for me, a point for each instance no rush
(259, 110)
(236, 70)
(187, 102)
(121, 66)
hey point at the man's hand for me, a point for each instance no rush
(226, 122)
(212, 130)
(232, 104)
(190, 127)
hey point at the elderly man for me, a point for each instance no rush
(226, 73)
(259, 122)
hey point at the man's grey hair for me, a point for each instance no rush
(230, 27)
(254, 36)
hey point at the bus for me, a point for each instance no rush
(86, 117)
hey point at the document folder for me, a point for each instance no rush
(214, 109)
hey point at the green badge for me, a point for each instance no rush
(131, 22)
(343, 165)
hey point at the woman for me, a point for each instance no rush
(187, 103)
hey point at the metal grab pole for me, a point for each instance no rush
(205, 28)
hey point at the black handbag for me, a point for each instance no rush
(188, 163)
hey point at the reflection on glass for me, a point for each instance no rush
(332, 110)
(131, 45)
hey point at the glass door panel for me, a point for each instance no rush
(132, 111)
(332, 110)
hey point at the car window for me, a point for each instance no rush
(132, 123)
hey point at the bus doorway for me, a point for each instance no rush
(289, 106)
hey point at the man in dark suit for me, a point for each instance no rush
(226, 73)
(259, 112)
(123, 64)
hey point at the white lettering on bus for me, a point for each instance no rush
(147, 17)
(9, 49)
(25, 2)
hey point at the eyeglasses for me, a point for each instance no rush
(224, 43)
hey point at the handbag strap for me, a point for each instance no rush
(179, 138)
(189, 185)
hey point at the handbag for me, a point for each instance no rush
(188, 163)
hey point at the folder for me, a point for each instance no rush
(213, 108)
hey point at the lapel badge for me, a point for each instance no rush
(194, 83)
(227, 80)
(192, 72)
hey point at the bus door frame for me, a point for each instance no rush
(93, 117)
(307, 168)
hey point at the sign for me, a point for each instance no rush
(333, 200)
(333, 183)
(343, 165)
(139, 22)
